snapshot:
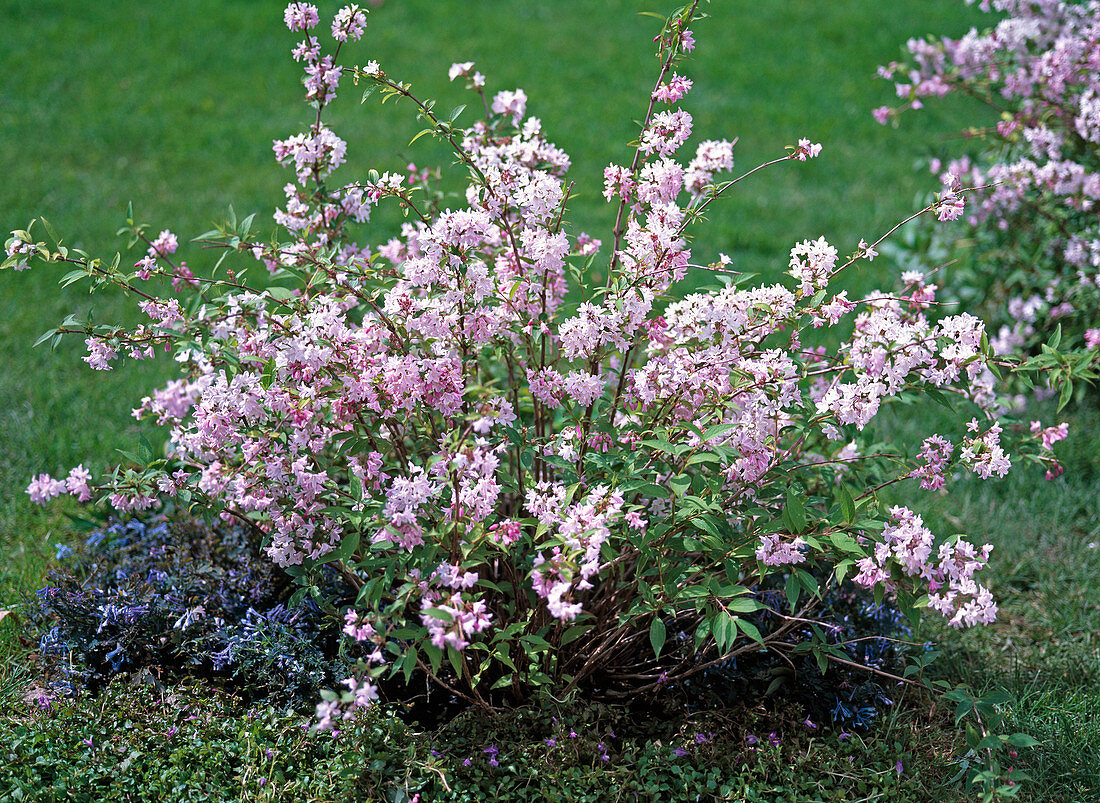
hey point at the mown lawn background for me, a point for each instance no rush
(173, 106)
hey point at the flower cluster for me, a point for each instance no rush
(948, 572)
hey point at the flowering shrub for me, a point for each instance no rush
(536, 465)
(1029, 249)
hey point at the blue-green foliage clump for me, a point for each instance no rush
(181, 597)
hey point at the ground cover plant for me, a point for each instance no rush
(747, 618)
(181, 598)
(193, 743)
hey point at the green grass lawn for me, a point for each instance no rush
(174, 107)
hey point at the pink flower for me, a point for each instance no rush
(950, 205)
(775, 552)
(99, 354)
(935, 454)
(1050, 435)
(666, 132)
(348, 23)
(145, 267)
(506, 533)
(512, 103)
(983, 453)
(806, 150)
(76, 483)
(674, 90)
(43, 488)
(586, 246)
(357, 627)
(17, 247)
(301, 16)
(166, 243)
(868, 252)
(460, 69)
(812, 263)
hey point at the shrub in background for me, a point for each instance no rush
(537, 465)
(1027, 254)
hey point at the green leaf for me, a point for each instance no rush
(846, 543)
(808, 581)
(718, 429)
(793, 589)
(50, 230)
(1065, 395)
(657, 635)
(702, 631)
(535, 644)
(422, 133)
(796, 511)
(651, 490)
(71, 276)
(455, 657)
(680, 484)
(847, 505)
(936, 395)
(708, 524)
(45, 337)
(660, 445)
(574, 633)
(348, 545)
(743, 605)
(725, 630)
(504, 658)
(145, 449)
(750, 630)
(280, 293)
